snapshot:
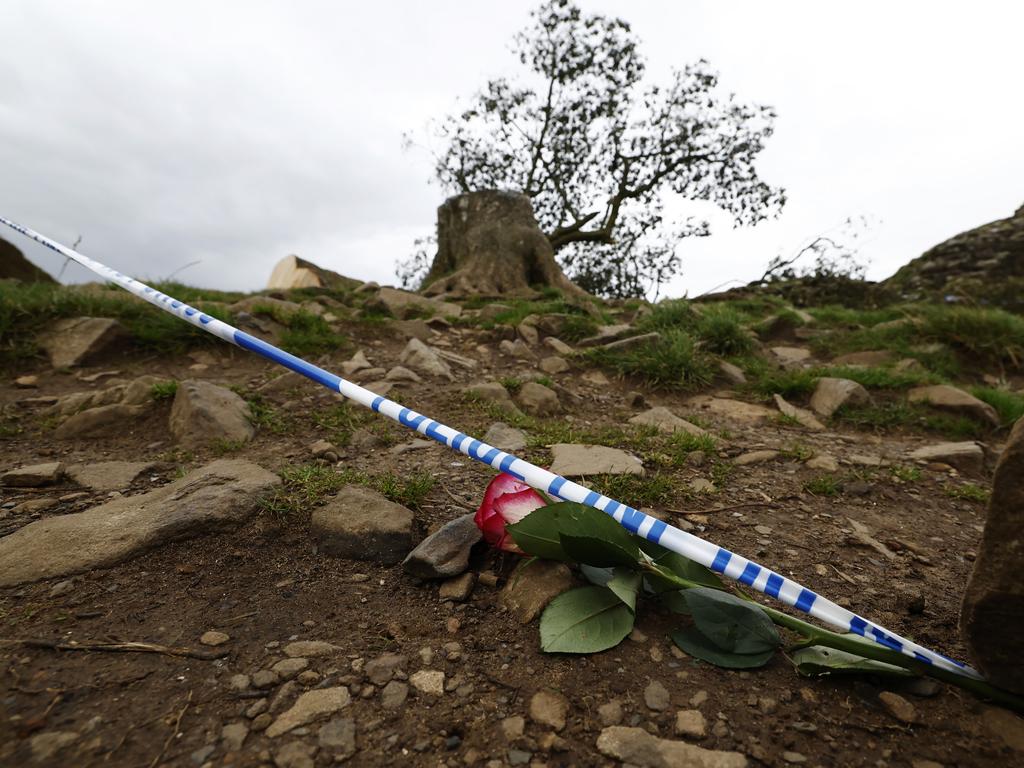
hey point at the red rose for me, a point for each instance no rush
(506, 501)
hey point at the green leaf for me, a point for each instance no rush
(698, 645)
(732, 624)
(598, 576)
(584, 620)
(679, 565)
(626, 584)
(675, 601)
(818, 660)
(594, 551)
(540, 532)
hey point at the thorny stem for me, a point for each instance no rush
(814, 635)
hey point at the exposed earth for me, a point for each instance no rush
(275, 647)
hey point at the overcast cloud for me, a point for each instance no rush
(234, 133)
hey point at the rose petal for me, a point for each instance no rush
(513, 507)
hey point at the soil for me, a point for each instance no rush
(264, 585)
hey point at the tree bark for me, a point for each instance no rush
(489, 243)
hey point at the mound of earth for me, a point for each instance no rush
(14, 265)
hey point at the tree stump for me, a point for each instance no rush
(489, 243)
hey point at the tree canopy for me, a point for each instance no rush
(597, 150)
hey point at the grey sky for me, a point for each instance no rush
(235, 133)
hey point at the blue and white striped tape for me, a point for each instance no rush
(716, 558)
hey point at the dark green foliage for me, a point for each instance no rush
(671, 362)
(1009, 405)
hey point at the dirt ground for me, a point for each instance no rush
(264, 585)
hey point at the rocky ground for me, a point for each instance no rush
(201, 559)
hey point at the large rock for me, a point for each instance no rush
(493, 392)
(831, 394)
(791, 357)
(310, 706)
(103, 421)
(293, 272)
(204, 412)
(635, 746)
(505, 437)
(424, 359)
(868, 358)
(802, 416)
(444, 553)
(108, 475)
(947, 398)
(14, 265)
(361, 524)
(572, 460)
(967, 456)
(33, 475)
(734, 410)
(992, 614)
(216, 497)
(664, 420)
(403, 304)
(80, 340)
(538, 400)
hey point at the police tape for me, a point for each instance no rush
(718, 559)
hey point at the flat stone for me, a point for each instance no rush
(755, 457)
(33, 476)
(550, 709)
(214, 638)
(532, 586)
(401, 373)
(383, 668)
(606, 334)
(339, 737)
(898, 707)
(632, 342)
(492, 392)
(428, 681)
(394, 694)
(233, 736)
(869, 358)
(81, 340)
(656, 696)
(558, 346)
(458, 589)
(637, 747)
(954, 400)
(27, 382)
(824, 462)
(216, 497)
(732, 373)
(516, 348)
(802, 416)
(265, 678)
(444, 553)
(538, 400)
(1005, 726)
(831, 394)
(204, 413)
(791, 357)
(992, 611)
(553, 365)
(286, 669)
(505, 437)
(108, 475)
(425, 360)
(664, 420)
(966, 456)
(295, 754)
(113, 420)
(572, 460)
(734, 410)
(691, 723)
(610, 713)
(309, 649)
(403, 303)
(310, 706)
(361, 524)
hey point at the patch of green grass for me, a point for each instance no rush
(164, 390)
(798, 383)
(679, 445)
(575, 323)
(899, 414)
(671, 314)
(512, 384)
(307, 485)
(636, 490)
(721, 330)
(223, 447)
(27, 309)
(9, 427)
(671, 362)
(968, 492)
(266, 417)
(797, 451)
(991, 335)
(824, 485)
(1009, 405)
(722, 472)
(308, 334)
(906, 474)
(340, 421)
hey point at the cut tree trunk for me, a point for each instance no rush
(488, 243)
